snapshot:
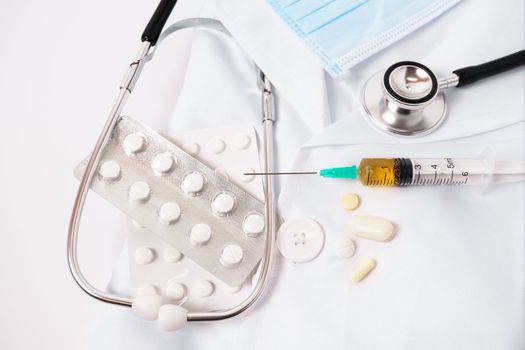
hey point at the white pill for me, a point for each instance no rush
(371, 227)
(362, 270)
(172, 317)
(216, 146)
(231, 289)
(344, 247)
(222, 172)
(248, 178)
(109, 170)
(146, 306)
(144, 255)
(169, 213)
(139, 192)
(134, 143)
(200, 234)
(241, 141)
(204, 288)
(171, 255)
(193, 183)
(146, 289)
(223, 203)
(175, 290)
(191, 148)
(232, 255)
(163, 163)
(253, 225)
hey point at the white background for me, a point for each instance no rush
(60, 66)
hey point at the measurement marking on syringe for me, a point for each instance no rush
(452, 175)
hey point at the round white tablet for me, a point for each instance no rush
(216, 145)
(253, 225)
(232, 255)
(139, 192)
(248, 178)
(344, 247)
(231, 289)
(144, 255)
(241, 141)
(109, 170)
(146, 289)
(175, 290)
(200, 234)
(223, 203)
(204, 288)
(169, 213)
(171, 255)
(134, 143)
(191, 148)
(193, 183)
(163, 163)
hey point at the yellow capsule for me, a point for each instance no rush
(362, 270)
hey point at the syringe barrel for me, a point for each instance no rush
(423, 171)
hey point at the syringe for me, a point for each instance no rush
(423, 171)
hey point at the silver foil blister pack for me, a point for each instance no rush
(228, 229)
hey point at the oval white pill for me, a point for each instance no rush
(241, 141)
(223, 203)
(200, 234)
(144, 255)
(216, 146)
(362, 270)
(163, 163)
(172, 317)
(146, 306)
(344, 247)
(193, 183)
(371, 227)
(139, 192)
(191, 148)
(109, 170)
(175, 290)
(232, 255)
(253, 225)
(134, 143)
(204, 288)
(169, 213)
(171, 255)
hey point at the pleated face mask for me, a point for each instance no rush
(346, 32)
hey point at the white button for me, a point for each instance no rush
(241, 141)
(204, 288)
(300, 240)
(169, 213)
(171, 255)
(200, 234)
(232, 255)
(253, 225)
(175, 290)
(191, 148)
(109, 170)
(223, 203)
(144, 255)
(139, 192)
(163, 163)
(216, 146)
(193, 183)
(134, 143)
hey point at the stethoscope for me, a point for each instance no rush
(151, 35)
(407, 98)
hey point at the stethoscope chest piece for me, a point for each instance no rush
(404, 100)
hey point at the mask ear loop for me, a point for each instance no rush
(145, 55)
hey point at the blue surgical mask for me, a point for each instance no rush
(345, 32)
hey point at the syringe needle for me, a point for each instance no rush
(287, 173)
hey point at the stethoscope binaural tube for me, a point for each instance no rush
(406, 99)
(151, 35)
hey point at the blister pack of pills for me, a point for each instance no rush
(202, 214)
